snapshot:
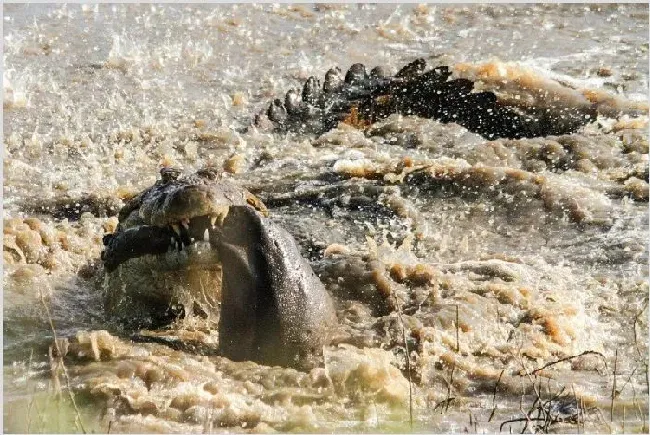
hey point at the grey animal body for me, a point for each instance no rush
(274, 308)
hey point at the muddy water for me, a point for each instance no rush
(460, 267)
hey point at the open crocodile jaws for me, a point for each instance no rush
(200, 245)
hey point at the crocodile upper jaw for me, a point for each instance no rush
(177, 243)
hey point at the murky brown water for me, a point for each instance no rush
(480, 260)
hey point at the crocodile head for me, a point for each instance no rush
(161, 261)
(199, 246)
(174, 219)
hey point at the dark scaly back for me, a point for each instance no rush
(361, 99)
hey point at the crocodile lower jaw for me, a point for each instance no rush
(189, 243)
(197, 255)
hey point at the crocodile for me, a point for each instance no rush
(360, 98)
(198, 245)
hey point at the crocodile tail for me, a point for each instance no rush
(361, 99)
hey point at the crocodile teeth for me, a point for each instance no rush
(222, 217)
(219, 216)
(185, 223)
(206, 235)
(177, 229)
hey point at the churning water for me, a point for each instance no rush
(460, 267)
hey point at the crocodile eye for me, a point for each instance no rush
(209, 173)
(169, 174)
(258, 205)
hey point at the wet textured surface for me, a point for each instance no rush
(460, 267)
(361, 99)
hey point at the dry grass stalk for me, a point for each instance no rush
(442, 404)
(569, 358)
(408, 359)
(627, 381)
(634, 323)
(582, 411)
(473, 421)
(494, 396)
(642, 355)
(55, 371)
(61, 365)
(579, 404)
(545, 410)
(449, 385)
(611, 407)
(457, 333)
